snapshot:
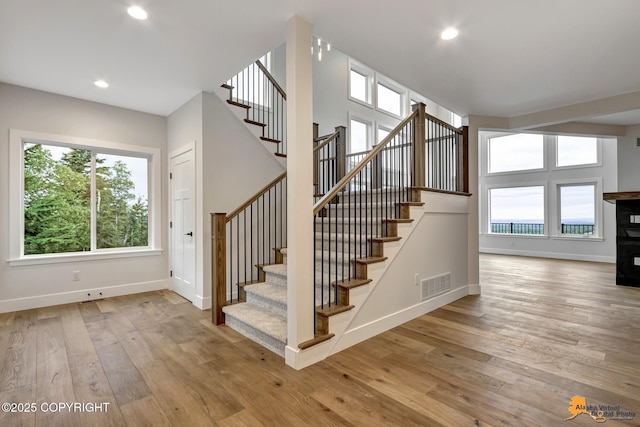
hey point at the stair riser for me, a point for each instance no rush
(352, 227)
(268, 304)
(255, 335)
(375, 197)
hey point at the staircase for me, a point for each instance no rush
(363, 202)
(263, 316)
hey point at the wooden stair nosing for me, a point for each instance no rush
(399, 220)
(352, 283)
(385, 239)
(255, 123)
(411, 203)
(226, 86)
(370, 260)
(281, 155)
(275, 141)
(332, 310)
(238, 104)
(319, 338)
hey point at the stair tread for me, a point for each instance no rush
(334, 309)
(386, 239)
(226, 86)
(317, 339)
(352, 283)
(238, 104)
(260, 319)
(281, 155)
(400, 220)
(253, 122)
(275, 141)
(371, 260)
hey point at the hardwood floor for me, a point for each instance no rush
(542, 332)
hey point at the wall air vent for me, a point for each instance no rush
(433, 286)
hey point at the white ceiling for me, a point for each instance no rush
(512, 58)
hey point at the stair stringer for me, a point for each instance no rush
(239, 113)
(342, 324)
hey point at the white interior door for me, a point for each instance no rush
(183, 262)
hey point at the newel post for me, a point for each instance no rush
(219, 266)
(341, 153)
(419, 169)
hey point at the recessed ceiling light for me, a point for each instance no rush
(449, 34)
(138, 13)
(101, 83)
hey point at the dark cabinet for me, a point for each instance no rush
(628, 242)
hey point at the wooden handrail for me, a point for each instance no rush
(443, 123)
(326, 141)
(255, 197)
(368, 158)
(271, 79)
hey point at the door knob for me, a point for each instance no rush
(189, 234)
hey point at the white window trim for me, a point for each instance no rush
(580, 166)
(366, 122)
(391, 85)
(485, 213)
(16, 197)
(369, 74)
(555, 225)
(487, 155)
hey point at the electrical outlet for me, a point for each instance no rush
(76, 276)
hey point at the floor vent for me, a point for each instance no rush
(435, 286)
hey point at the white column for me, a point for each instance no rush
(473, 255)
(300, 258)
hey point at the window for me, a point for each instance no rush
(389, 100)
(516, 153)
(577, 209)
(360, 81)
(75, 196)
(358, 136)
(517, 210)
(576, 150)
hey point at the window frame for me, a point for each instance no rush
(369, 138)
(487, 141)
(487, 221)
(17, 139)
(369, 75)
(581, 165)
(394, 87)
(556, 206)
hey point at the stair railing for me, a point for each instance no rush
(256, 90)
(329, 155)
(361, 212)
(244, 241)
(447, 156)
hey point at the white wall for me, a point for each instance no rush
(231, 166)
(628, 160)
(29, 286)
(586, 249)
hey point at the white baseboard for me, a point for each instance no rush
(378, 326)
(203, 303)
(80, 295)
(554, 255)
(298, 359)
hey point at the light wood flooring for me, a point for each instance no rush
(541, 332)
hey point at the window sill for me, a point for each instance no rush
(514, 235)
(81, 257)
(580, 238)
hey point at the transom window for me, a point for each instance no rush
(517, 152)
(576, 150)
(389, 100)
